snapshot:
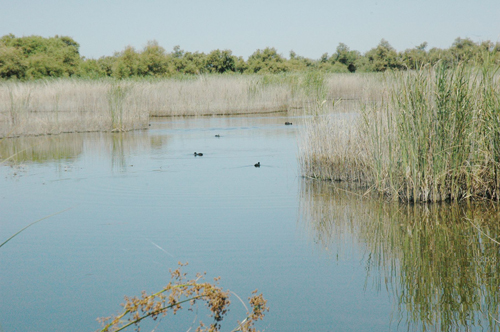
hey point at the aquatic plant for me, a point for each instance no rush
(116, 98)
(179, 292)
(432, 136)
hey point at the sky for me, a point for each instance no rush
(310, 28)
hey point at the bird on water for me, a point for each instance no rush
(198, 154)
(257, 165)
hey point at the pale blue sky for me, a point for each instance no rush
(310, 28)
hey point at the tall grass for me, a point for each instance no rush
(433, 136)
(78, 105)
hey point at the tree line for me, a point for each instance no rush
(35, 57)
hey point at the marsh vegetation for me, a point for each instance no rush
(432, 136)
(78, 105)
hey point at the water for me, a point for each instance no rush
(140, 202)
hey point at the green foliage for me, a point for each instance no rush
(346, 57)
(383, 57)
(12, 62)
(266, 61)
(90, 68)
(338, 67)
(416, 57)
(220, 62)
(127, 63)
(35, 57)
(153, 60)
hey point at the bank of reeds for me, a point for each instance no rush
(433, 136)
(78, 105)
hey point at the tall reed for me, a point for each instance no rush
(433, 137)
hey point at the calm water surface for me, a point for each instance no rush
(326, 259)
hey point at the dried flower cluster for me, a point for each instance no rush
(178, 292)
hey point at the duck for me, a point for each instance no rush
(198, 154)
(288, 123)
(217, 135)
(257, 165)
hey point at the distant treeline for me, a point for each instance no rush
(35, 57)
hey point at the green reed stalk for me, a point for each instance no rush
(436, 135)
(19, 232)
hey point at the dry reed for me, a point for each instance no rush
(78, 105)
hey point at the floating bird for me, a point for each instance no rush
(198, 154)
(217, 135)
(288, 123)
(257, 165)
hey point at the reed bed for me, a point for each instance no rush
(60, 106)
(433, 135)
(439, 262)
(361, 86)
(79, 105)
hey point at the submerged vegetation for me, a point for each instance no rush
(433, 136)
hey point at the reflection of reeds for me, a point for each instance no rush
(67, 147)
(41, 149)
(443, 272)
(434, 137)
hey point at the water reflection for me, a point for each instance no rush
(440, 261)
(41, 149)
(68, 147)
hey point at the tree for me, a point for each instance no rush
(55, 56)
(346, 57)
(416, 57)
(12, 62)
(383, 57)
(127, 63)
(153, 60)
(220, 61)
(267, 60)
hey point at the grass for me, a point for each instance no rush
(80, 105)
(433, 135)
(443, 274)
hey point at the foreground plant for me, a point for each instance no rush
(181, 291)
